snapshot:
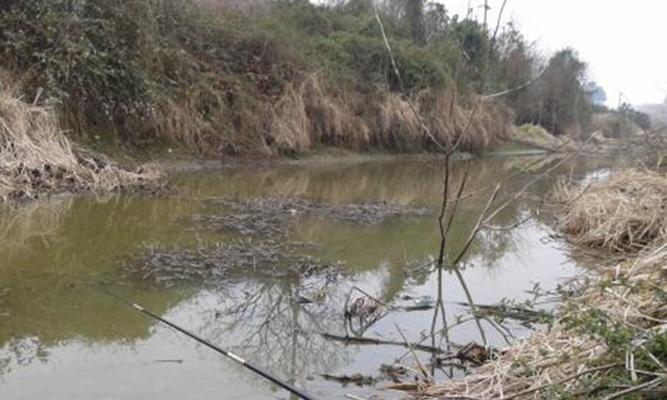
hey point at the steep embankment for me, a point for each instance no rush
(268, 79)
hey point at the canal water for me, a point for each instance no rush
(61, 338)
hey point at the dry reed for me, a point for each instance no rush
(36, 157)
(310, 114)
(623, 214)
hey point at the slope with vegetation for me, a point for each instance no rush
(285, 76)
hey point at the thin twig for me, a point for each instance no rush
(419, 363)
(634, 389)
(373, 341)
(400, 81)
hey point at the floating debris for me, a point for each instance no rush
(394, 372)
(524, 313)
(475, 353)
(361, 340)
(170, 267)
(270, 216)
(419, 303)
(373, 213)
(356, 379)
(365, 308)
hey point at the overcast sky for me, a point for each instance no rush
(623, 41)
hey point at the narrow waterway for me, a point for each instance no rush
(62, 339)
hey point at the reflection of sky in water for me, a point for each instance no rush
(596, 176)
(64, 340)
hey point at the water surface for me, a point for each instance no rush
(61, 338)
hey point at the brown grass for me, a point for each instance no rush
(477, 126)
(308, 114)
(37, 158)
(311, 114)
(626, 213)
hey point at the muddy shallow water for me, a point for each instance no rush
(61, 338)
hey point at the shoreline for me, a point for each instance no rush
(609, 334)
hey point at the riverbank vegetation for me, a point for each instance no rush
(37, 158)
(608, 339)
(625, 214)
(285, 77)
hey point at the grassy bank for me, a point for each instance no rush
(284, 77)
(609, 338)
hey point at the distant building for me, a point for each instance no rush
(596, 93)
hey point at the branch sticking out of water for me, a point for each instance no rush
(378, 342)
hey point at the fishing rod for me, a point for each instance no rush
(210, 345)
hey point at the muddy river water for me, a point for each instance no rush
(61, 338)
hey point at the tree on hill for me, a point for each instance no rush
(414, 14)
(557, 101)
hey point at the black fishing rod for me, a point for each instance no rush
(225, 353)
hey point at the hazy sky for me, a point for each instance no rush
(622, 40)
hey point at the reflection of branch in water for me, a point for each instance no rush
(439, 308)
(274, 328)
(19, 225)
(444, 232)
(471, 302)
(484, 219)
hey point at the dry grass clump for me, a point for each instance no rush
(36, 157)
(623, 214)
(601, 334)
(476, 127)
(310, 113)
(307, 114)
